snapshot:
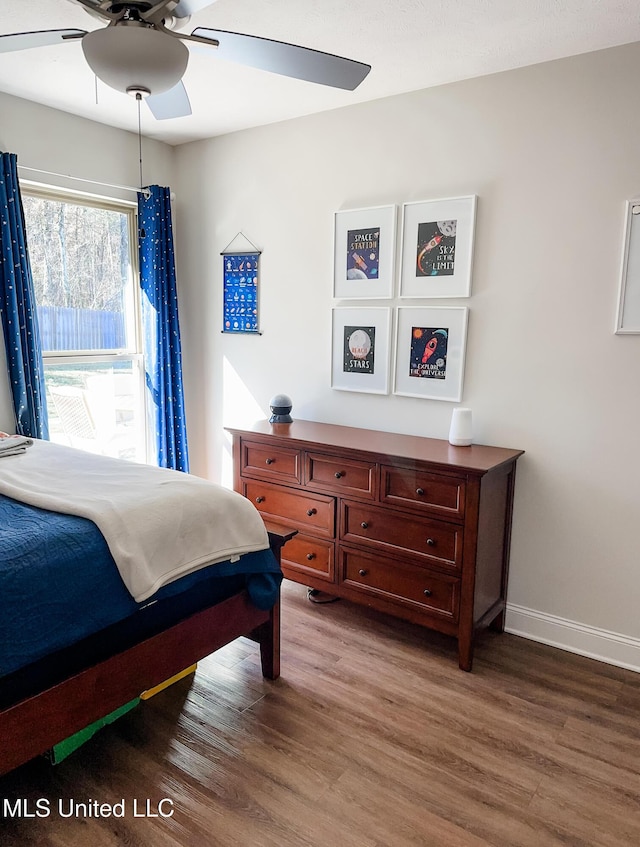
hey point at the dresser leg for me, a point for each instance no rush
(465, 653)
(314, 595)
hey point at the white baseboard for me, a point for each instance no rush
(610, 647)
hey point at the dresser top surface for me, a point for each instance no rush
(477, 457)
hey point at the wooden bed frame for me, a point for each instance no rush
(33, 725)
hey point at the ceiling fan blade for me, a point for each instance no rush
(286, 59)
(42, 38)
(173, 103)
(186, 8)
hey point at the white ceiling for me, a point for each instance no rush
(411, 44)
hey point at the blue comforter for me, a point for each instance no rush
(59, 583)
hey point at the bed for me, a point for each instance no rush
(78, 639)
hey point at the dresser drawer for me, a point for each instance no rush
(269, 461)
(314, 513)
(436, 542)
(341, 475)
(416, 488)
(436, 593)
(306, 554)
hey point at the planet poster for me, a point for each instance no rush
(359, 349)
(428, 358)
(363, 253)
(436, 248)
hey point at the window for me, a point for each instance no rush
(84, 273)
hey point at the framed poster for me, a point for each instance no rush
(437, 247)
(364, 253)
(240, 292)
(361, 342)
(430, 351)
(628, 314)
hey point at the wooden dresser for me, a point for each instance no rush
(411, 526)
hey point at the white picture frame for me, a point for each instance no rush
(437, 247)
(365, 272)
(628, 311)
(361, 347)
(430, 352)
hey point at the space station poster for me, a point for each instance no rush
(363, 253)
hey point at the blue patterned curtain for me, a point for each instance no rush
(163, 355)
(17, 303)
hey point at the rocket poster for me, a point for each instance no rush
(359, 349)
(363, 253)
(428, 358)
(436, 248)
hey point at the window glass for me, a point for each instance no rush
(83, 272)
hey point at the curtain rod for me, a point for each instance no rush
(79, 179)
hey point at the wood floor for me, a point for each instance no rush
(371, 738)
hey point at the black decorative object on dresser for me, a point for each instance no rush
(411, 526)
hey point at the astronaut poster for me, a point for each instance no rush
(428, 359)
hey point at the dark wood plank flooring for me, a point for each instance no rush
(371, 738)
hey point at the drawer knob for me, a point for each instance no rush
(259, 499)
(431, 542)
(269, 461)
(312, 512)
(363, 572)
(419, 491)
(364, 525)
(339, 474)
(311, 556)
(427, 592)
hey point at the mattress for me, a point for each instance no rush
(59, 585)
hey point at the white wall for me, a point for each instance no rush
(55, 141)
(551, 151)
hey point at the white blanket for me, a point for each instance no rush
(159, 524)
(12, 445)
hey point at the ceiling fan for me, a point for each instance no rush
(142, 53)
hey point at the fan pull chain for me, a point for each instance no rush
(139, 99)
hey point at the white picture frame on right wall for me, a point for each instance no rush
(430, 352)
(628, 313)
(437, 247)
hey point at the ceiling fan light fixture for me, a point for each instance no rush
(127, 56)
